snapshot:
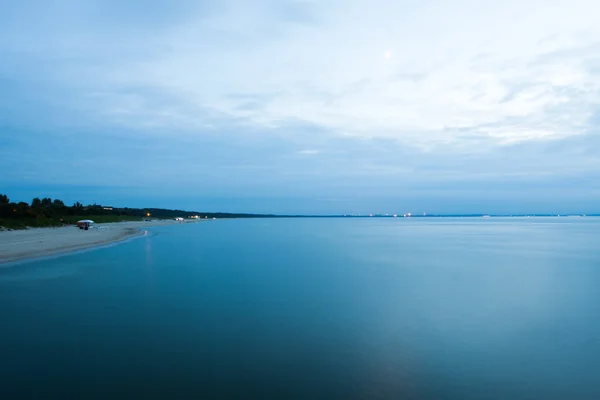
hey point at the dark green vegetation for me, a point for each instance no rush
(48, 212)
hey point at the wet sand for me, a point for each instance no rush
(38, 242)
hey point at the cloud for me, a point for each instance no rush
(537, 79)
(242, 96)
(309, 152)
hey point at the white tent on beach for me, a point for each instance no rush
(85, 223)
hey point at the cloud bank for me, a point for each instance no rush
(306, 99)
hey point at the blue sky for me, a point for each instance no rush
(303, 106)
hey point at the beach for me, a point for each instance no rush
(16, 245)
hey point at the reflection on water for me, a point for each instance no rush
(325, 308)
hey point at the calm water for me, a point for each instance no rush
(313, 308)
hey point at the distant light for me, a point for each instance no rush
(370, 215)
(409, 214)
(147, 214)
(395, 215)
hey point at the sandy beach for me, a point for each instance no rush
(38, 242)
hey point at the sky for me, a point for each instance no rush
(301, 106)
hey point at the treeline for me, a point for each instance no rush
(48, 212)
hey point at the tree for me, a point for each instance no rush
(58, 203)
(4, 199)
(46, 202)
(36, 202)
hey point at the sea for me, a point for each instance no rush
(312, 308)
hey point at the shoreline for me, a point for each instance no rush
(21, 245)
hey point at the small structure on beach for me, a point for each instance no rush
(85, 224)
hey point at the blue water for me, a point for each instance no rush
(313, 308)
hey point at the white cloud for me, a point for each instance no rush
(462, 71)
(309, 152)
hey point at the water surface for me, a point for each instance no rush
(313, 308)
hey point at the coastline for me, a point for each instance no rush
(19, 245)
